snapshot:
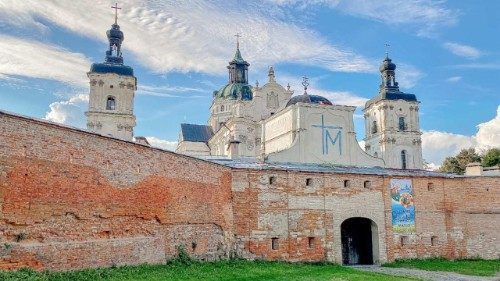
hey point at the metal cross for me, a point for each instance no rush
(305, 83)
(237, 40)
(116, 12)
(387, 49)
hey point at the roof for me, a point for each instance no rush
(119, 69)
(391, 94)
(196, 133)
(309, 99)
(234, 91)
(248, 163)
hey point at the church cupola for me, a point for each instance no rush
(388, 73)
(237, 87)
(238, 67)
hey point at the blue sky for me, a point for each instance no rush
(447, 52)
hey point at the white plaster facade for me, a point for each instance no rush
(111, 105)
(315, 134)
(393, 133)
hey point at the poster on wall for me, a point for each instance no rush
(403, 208)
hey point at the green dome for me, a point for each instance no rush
(235, 90)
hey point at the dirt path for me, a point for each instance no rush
(425, 275)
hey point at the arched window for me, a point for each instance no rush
(222, 108)
(403, 159)
(402, 125)
(111, 103)
(374, 127)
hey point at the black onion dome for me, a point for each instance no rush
(387, 64)
(311, 99)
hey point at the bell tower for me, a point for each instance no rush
(392, 130)
(112, 90)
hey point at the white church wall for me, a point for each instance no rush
(324, 135)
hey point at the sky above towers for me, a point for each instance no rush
(447, 53)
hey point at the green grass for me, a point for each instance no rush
(237, 270)
(468, 267)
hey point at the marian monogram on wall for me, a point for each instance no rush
(331, 137)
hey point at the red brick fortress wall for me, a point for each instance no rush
(455, 217)
(71, 199)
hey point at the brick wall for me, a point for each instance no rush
(455, 217)
(71, 199)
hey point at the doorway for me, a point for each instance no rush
(359, 241)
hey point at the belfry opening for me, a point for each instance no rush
(359, 241)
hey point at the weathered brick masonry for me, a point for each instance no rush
(72, 199)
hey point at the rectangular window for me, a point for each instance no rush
(272, 180)
(310, 242)
(274, 243)
(434, 240)
(430, 186)
(402, 125)
(347, 183)
(404, 240)
(309, 182)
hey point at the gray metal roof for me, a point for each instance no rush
(196, 133)
(323, 168)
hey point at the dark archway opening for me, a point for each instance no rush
(357, 241)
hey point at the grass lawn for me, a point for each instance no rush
(468, 267)
(238, 270)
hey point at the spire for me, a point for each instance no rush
(115, 38)
(305, 83)
(238, 67)
(271, 76)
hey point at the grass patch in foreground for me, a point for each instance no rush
(475, 267)
(237, 270)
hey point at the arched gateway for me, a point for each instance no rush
(359, 241)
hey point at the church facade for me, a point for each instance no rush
(271, 176)
(269, 124)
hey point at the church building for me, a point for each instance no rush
(269, 124)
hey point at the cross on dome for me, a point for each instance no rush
(305, 83)
(116, 12)
(237, 35)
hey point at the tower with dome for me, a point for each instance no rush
(112, 90)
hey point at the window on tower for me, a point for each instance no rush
(402, 125)
(111, 103)
(403, 159)
(374, 127)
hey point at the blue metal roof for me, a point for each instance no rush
(119, 69)
(309, 99)
(391, 94)
(196, 133)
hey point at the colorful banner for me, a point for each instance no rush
(403, 208)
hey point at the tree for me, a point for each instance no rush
(491, 158)
(458, 163)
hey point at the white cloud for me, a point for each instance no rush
(192, 35)
(163, 144)
(336, 97)
(167, 91)
(408, 75)
(462, 50)
(20, 57)
(454, 79)
(424, 15)
(438, 145)
(69, 112)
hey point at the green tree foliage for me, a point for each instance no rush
(458, 163)
(491, 158)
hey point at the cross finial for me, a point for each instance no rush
(387, 49)
(305, 83)
(237, 35)
(116, 12)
